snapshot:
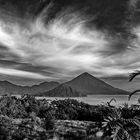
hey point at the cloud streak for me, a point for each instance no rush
(71, 42)
(20, 73)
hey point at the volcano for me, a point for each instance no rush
(93, 86)
(81, 86)
(85, 84)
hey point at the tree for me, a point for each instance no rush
(131, 77)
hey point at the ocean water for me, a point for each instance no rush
(102, 99)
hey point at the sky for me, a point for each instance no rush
(56, 40)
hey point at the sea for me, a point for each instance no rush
(101, 99)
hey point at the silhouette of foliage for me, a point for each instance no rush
(131, 77)
(119, 127)
(36, 117)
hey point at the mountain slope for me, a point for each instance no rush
(45, 86)
(91, 85)
(83, 85)
(9, 88)
(64, 91)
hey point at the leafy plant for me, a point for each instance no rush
(120, 128)
(131, 77)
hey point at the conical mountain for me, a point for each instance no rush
(83, 85)
(91, 85)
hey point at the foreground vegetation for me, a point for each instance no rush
(28, 118)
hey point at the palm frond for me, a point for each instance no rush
(137, 121)
(130, 95)
(133, 75)
(120, 126)
(113, 99)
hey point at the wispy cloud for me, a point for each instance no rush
(20, 73)
(69, 43)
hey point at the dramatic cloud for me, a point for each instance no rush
(15, 72)
(59, 39)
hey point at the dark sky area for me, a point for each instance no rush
(55, 40)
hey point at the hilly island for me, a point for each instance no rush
(81, 86)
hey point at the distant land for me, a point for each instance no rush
(12, 89)
(81, 86)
